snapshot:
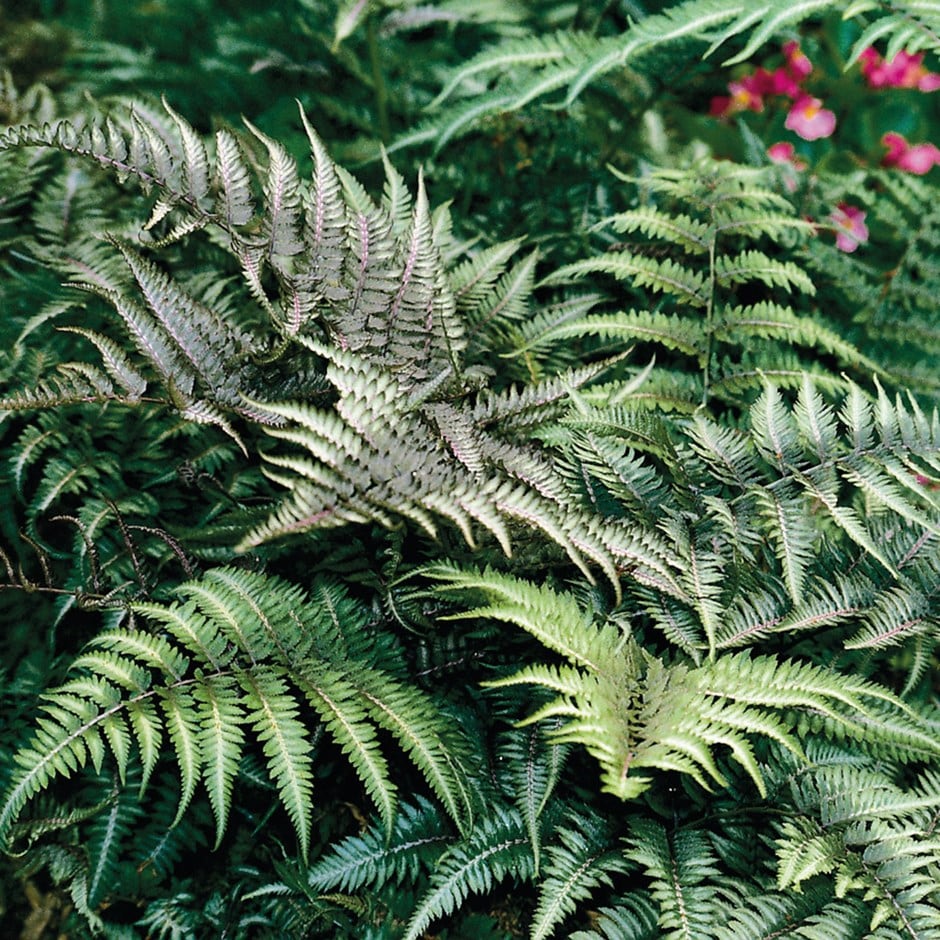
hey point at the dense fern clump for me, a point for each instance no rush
(373, 569)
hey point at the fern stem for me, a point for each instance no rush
(378, 80)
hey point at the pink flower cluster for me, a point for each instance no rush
(912, 158)
(806, 117)
(903, 71)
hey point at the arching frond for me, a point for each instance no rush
(233, 666)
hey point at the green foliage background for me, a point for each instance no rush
(471, 495)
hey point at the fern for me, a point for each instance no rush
(429, 471)
(580, 861)
(394, 316)
(540, 66)
(497, 850)
(631, 712)
(677, 869)
(373, 858)
(717, 206)
(110, 828)
(635, 919)
(236, 658)
(533, 767)
(854, 469)
(861, 829)
(372, 439)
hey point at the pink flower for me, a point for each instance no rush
(782, 82)
(809, 119)
(851, 230)
(903, 71)
(798, 65)
(784, 152)
(746, 95)
(917, 159)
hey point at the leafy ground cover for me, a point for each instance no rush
(470, 469)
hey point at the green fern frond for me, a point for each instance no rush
(497, 849)
(792, 539)
(230, 667)
(556, 620)
(471, 281)
(623, 474)
(521, 407)
(863, 833)
(678, 866)
(508, 300)
(719, 216)
(222, 741)
(763, 914)
(71, 386)
(284, 738)
(405, 713)
(344, 714)
(692, 235)
(110, 829)
(531, 51)
(532, 768)
(581, 860)
(634, 918)
(632, 712)
(772, 321)
(667, 330)
(667, 277)
(418, 837)
(756, 266)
